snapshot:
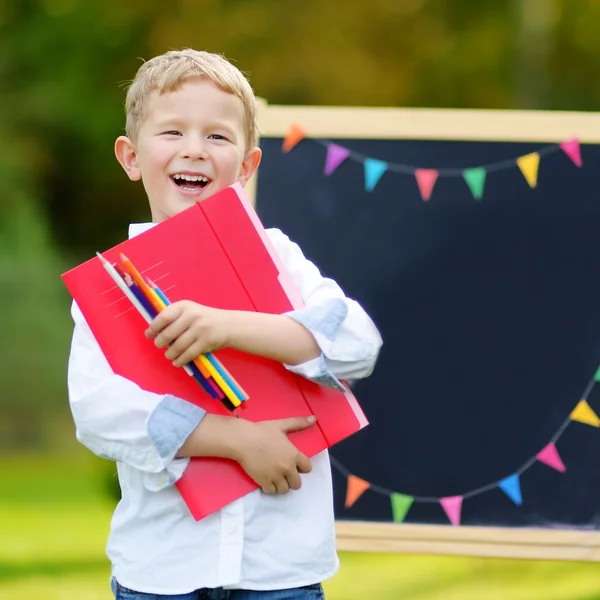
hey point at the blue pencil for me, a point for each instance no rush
(140, 296)
(160, 293)
(234, 388)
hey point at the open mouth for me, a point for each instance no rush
(190, 183)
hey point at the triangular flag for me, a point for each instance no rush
(295, 135)
(400, 506)
(426, 179)
(356, 488)
(452, 506)
(549, 456)
(572, 149)
(374, 169)
(529, 164)
(512, 488)
(584, 414)
(597, 374)
(475, 179)
(336, 155)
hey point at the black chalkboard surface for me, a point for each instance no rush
(490, 313)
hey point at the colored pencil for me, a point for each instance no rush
(130, 294)
(156, 299)
(149, 300)
(220, 374)
(139, 295)
(123, 286)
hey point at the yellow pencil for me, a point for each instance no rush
(244, 395)
(220, 381)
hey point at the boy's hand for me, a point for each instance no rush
(268, 456)
(189, 329)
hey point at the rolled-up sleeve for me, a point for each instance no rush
(119, 421)
(347, 337)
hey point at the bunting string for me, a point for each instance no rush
(475, 177)
(406, 169)
(510, 485)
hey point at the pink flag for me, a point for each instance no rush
(452, 506)
(572, 150)
(549, 456)
(336, 155)
(426, 179)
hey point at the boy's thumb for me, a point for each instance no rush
(297, 423)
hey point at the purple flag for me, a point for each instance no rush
(336, 155)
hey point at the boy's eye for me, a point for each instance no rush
(172, 132)
(217, 136)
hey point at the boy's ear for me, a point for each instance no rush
(127, 156)
(249, 165)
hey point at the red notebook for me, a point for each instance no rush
(216, 253)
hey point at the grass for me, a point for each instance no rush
(54, 519)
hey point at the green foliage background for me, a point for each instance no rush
(64, 65)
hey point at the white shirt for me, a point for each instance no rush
(260, 542)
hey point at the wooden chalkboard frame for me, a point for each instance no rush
(385, 123)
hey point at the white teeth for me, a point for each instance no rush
(191, 177)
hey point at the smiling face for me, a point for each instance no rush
(190, 146)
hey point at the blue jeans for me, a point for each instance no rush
(308, 592)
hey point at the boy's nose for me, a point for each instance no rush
(195, 148)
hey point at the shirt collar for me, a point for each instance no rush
(137, 228)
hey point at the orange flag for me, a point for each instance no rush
(295, 135)
(356, 488)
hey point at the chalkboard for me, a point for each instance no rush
(488, 300)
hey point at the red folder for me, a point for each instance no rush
(216, 253)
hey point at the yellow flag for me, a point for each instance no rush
(584, 414)
(529, 164)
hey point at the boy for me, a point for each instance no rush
(191, 131)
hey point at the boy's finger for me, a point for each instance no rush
(269, 488)
(179, 345)
(294, 481)
(163, 318)
(281, 485)
(296, 423)
(193, 351)
(303, 464)
(170, 334)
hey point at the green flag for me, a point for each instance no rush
(400, 506)
(475, 179)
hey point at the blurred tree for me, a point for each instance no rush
(64, 65)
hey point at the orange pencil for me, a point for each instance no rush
(139, 281)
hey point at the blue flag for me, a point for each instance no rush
(512, 488)
(374, 169)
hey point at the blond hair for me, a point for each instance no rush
(166, 72)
